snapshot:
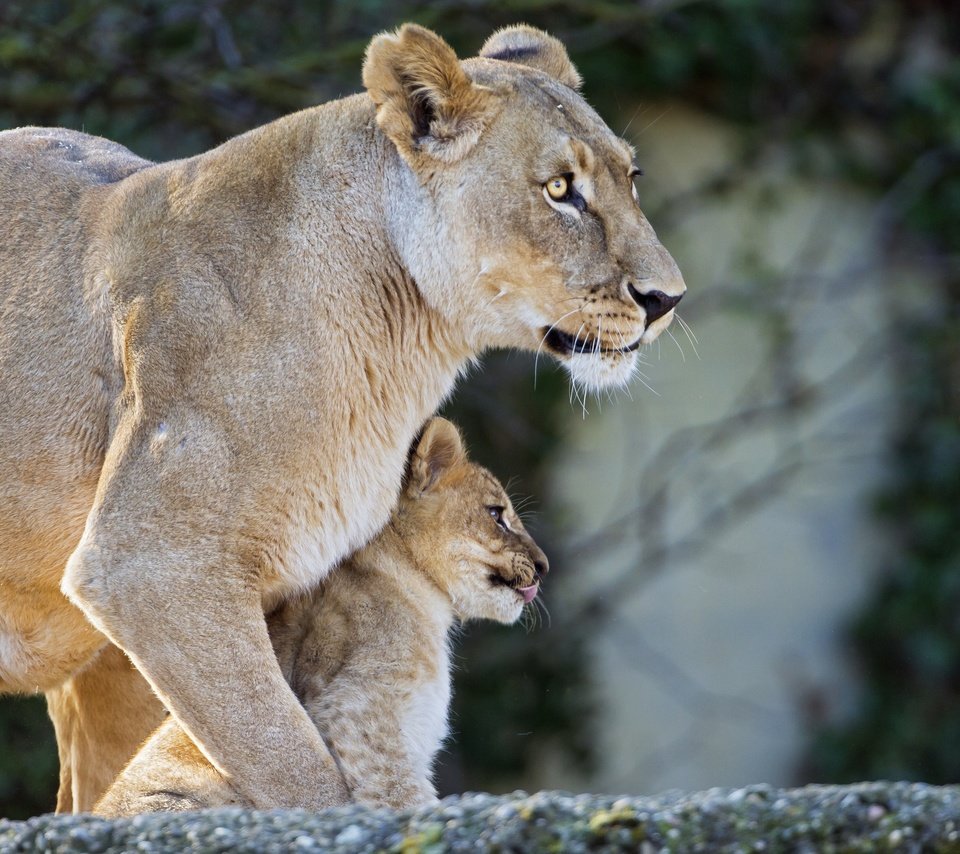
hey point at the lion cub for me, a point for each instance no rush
(367, 652)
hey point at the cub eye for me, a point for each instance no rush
(558, 188)
(497, 514)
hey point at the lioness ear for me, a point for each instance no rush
(439, 449)
(425, 101)
(529, 46)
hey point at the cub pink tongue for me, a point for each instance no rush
(528, 593)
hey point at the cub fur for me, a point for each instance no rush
(367, 651)
(212, 368)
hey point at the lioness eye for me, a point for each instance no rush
(558, 187)
(635, 172)
(497, 514)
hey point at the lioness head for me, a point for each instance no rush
(461, 529)
(514, 206)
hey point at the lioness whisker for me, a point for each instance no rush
(536, 358)
(683, 356)
(651, 124)
(688, 331)
(643, 380)
(633, 118)
(573, 382)
(583, 400)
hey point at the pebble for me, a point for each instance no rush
(350, 835)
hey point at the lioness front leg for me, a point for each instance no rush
(198, 634)
(158, 570)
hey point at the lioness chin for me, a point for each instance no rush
(213, 368)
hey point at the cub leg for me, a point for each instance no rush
(101, 716)
(365, 733)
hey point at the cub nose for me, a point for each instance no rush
(540, 563)
(654, 303)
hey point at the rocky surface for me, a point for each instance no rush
(868, 817)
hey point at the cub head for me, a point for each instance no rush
(461, 529)
(513, 205)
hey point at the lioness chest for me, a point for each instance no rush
(334, 513)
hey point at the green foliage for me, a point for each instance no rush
(28, 758)
(907, 639)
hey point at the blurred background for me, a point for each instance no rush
(756, 549)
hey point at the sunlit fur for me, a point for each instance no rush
(367, 651)
(595, 372)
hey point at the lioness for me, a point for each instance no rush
(367, 651)
(212, 368)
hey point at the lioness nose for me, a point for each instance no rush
(541, 565)
(654, 303)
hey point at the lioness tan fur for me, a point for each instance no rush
(367, 652)
(212, 368)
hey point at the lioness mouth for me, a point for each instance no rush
(566, 344)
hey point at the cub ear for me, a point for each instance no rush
(535, 48)
(425, 101)
(438, 450)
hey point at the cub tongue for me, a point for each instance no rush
(528, 593)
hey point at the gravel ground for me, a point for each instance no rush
(868, 817)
